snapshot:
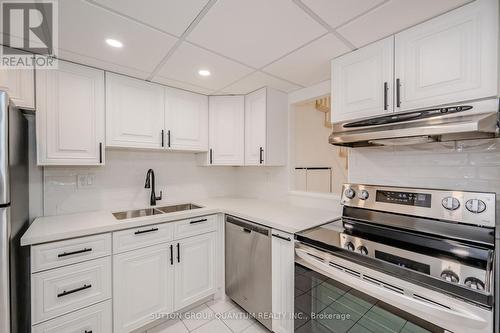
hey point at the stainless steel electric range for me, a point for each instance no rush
(399, 260)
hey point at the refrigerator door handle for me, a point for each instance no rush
(4, 269)
(4, 149)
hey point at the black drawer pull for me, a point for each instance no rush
(88, 331)
(65, 293)
(145, 231)
(247, 230)
(281, 237)
(261, 155)
(198, 221)
(65, 254)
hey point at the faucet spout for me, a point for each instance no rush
(150, 183)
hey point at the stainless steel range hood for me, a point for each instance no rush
(449, 123)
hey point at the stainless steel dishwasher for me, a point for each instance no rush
(248, 267)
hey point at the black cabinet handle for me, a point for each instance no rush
(211, 156)
(171, 254)
(261, 155)
(198, 221)
(178, 252)
(247, 230)
(145, 231)
(386, 88)
(88, 331)
(69, 292)
(162, 138)
(168, 138)
(398, 93)
(281, 237)
(100, 152)
(65, 254)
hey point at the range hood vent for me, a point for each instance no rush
(449, 123)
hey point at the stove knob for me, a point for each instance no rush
(475, 206)
(363, 250)
(349, 246)
(450, 276)
(363, 195)
(450, 203)
(349, 193)
(474, 283)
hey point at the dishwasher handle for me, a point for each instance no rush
(248, 226)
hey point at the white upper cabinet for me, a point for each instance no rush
(362, 82)
(134, 113)
(70, 115)
(226, 130)
(186, 120)
(20, 85)
(266, 127)
(449, 59)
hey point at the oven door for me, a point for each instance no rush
(335, 295)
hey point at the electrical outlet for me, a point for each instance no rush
(85, 181)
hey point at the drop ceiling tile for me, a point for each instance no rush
(310, 64)
(392, 17)
(187, 59)
(338, 12)
(83, 28)
(255, 32)
(101, 64)
(181, 85)
(173, 16)
(258, 80)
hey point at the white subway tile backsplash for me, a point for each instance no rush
(465, 165)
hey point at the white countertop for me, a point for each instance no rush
(278, 215)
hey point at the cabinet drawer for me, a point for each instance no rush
(141, 237)
(95, 319)
(62, 290)
(57, 254)
(195, 226)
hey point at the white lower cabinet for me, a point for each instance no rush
(63, 290)
(194, 269)
(142, 286)
(283, 261)
(95, 319)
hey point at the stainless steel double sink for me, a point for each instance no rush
(130, 214)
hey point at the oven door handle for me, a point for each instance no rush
(441, 316)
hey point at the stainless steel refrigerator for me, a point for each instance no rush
(14, 219)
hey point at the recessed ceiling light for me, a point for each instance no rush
(204, 72)
(114, 42)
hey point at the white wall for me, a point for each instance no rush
(466, 165)
(120, 183)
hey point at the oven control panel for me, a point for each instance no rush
(448, 270)
(476, 208)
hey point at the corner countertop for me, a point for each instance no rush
(279, 215)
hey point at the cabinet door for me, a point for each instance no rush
(255, 127)
(362, 82)
(70, 115)
(134, 113)
(142, 287)
(226, 130)
(20, 85)
(450, 58)
(186, 120)
(283, 259)
(194, 270)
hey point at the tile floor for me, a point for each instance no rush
(220, 316)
